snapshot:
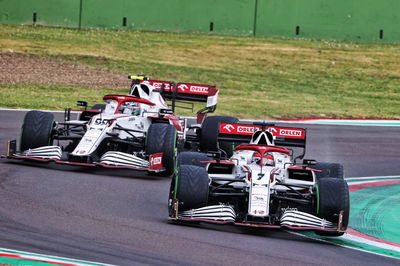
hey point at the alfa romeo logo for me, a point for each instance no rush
(229, 127)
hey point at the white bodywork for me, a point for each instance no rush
(131, 116)
(103, 123)
(261, 180)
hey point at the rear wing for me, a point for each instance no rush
(184, 92)
(283, 136)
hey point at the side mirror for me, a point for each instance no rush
(309, 162)
(166, 112)
(82, 103)
(215, 154)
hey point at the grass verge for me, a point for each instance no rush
(51, 97)
(258, 77)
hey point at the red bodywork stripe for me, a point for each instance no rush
(31, 158)
(74, 163)
(125, 98)
(121, 167)
(262, 149)
(78, 164)
(220, 162)
(257, 225)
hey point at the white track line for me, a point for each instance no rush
(50, 258)
(344, 246)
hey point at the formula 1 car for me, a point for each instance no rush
(262, 184)
(136, 131)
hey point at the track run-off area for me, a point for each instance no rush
(119, 218)
(374, 216)
(373, 225)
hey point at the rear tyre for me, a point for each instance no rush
(192, 187)
(332, 198)
(37, 130)
(161, 138)
(329, 170)
(209, 134)
(192, 158)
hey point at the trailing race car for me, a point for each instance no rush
(262, 184)
(137, 131)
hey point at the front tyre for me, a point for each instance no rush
(190, 187)
(37, 130)
(161, 138)
(332, 198)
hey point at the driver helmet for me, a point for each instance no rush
(131, 108)
(267, 160)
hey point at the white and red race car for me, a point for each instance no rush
(262, 184)
(138, 131)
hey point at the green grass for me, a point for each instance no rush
(257, 77)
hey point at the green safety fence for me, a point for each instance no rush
(358, 20)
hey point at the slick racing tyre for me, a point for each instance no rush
(37, 130)
(192, 187)
(209, 134)
(329, 170)
(161, 138)
(193, 158)
(332, 198)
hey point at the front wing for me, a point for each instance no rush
(223, 214)
(114, 160)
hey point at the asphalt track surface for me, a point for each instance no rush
(120, 217)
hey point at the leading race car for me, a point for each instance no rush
(262, 184)
(137, 131)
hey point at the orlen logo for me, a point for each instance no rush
(158, 85)
(182, 87)
(243, 129)
(199, 89)
(146, 82)
(229, 127)
(291, 133)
